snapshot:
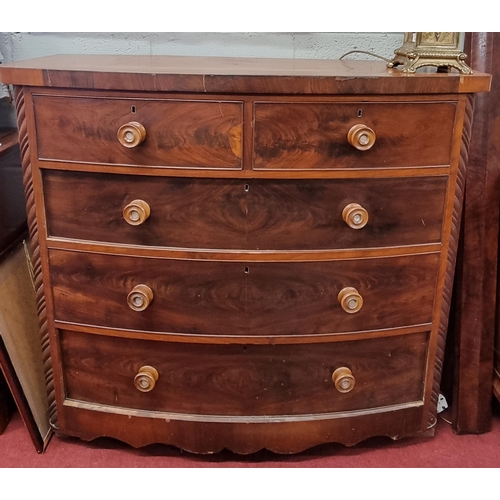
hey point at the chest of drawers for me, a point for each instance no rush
(242, 254)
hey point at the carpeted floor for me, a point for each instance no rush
(444, 450)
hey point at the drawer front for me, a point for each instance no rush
(251, 214)
(292, 136)
(207, 379)
(237, 298)
(178, 133)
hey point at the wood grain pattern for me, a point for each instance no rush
(239, 255)
(239, 214)
(197, 134)
(475, 306)
(496, 369)
(245, 264)
(274, 340)
(206, 173)
(315, 135)
(233, 298)
(232, 75)
(243, 380)
(34, 248)
(451, 256)
(91, 421)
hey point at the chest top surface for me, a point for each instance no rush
(233, 75)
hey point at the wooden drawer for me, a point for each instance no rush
(179, 133)
(251, 214)
(238, 298)
(242, 380)
(309, 135)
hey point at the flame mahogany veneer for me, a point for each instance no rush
(242, 254)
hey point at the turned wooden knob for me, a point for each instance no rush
(140, 297)
(343, 379)
(131, 134)
(136, 212)
(361, 137)
(355, 216)
(350, 300)
(145, 379)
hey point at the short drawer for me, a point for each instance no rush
(174, 133)
(242, 299)
(254, 214)
(309, 135)
(243, 380)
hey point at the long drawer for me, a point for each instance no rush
(172, 132)
(329, 135)
(237, 380)
(204, 133)
(286, 214)
(240, 298)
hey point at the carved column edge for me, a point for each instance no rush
(34, 250)
(452, 255)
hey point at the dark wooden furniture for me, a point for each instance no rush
(14, 393)
(242, 254)
(21, 367)
(13, 226)
(6, 404)
(496, 366)
(475, 304)
(8, 139)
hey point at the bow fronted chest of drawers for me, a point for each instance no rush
(242, 253)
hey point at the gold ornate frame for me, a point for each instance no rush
(441, 50)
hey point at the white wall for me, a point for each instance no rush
(18, 46)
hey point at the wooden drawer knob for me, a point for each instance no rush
(131, 134)
(136, 212)
(145, 379)
(350, 300)
(140, 297)
(355, 216)
(343, 379)
(361, 137)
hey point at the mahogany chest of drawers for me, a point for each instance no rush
(242, 254)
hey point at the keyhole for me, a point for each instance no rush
(247, 188)
(360, 113)
(132, 109)
(247, 270)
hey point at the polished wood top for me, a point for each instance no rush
(233, 75)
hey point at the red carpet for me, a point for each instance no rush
(444, 450)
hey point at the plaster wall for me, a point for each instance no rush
(18, 46)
